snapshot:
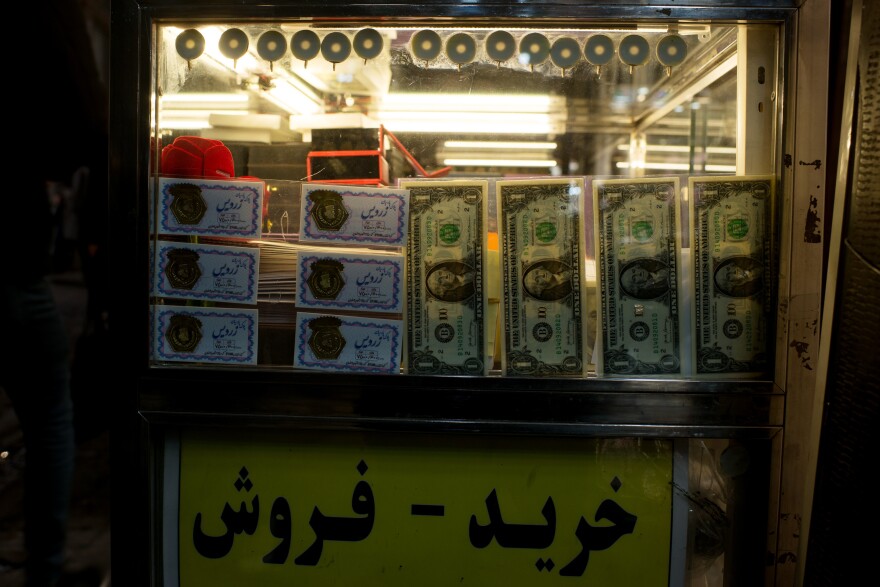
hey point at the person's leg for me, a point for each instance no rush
(35, 374)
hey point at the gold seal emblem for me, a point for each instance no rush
(328, 211)
(183, 268)
(184, 333)
(188, 205)
(325, 281)
(326, 340)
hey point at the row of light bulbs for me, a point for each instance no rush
(426, 45)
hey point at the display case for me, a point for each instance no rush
(465, 292)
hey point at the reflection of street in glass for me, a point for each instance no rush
(645, 279)
(451, 281)
(739, 277)
(548, 280)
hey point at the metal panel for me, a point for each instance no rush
(800, 284)
(730, 10)
(642, 408)
(756, 84)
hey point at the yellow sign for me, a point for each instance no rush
(346, 508)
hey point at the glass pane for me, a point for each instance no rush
(250, 117)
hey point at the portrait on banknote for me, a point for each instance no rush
(548, 280)
(739, 277)
(451, 281)
(645, 279)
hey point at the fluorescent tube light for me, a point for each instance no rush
(492, 103)
(524, 145)
(471, 122)
(206, 100)
(185, 124)
(193, 110)
(472, 113)
(548, 163)
(681, 149)
(194, 119)
(676, 166)
(654, 165)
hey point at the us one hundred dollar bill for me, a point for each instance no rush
(541, 232)
(731, 237)
(637, 261)
(446, 297)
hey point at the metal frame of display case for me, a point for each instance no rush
(151, 400)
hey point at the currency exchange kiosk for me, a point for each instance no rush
(493, 293)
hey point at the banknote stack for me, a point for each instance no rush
(348, 273)
(447, 298)
(731, 235)
(204, 269)
(277, 271)
(541, 236)
(637, 265)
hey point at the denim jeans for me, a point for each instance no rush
(35, 372)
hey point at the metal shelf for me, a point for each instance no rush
(558, 407)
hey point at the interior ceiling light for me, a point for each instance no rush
(682, 149)
(472, 113)
(535, 103)
(528, 145)
(500, 162)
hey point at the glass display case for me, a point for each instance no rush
(450, 260)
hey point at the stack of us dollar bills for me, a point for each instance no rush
(541, 235)
(638, 267)
(731, 225)
(659, 317)
(447, 305)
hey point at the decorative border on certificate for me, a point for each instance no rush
(203, 272)
(205, 335)
(347, 281)
(219, 208)
(344, 214)
(347, 343)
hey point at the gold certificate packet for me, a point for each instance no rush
(637, 265)
(341, 280)
(731, 235)
(206, 272)
(359, 344)
(446, 293)
(353, 215)
(226, 336)
(210, 207)
(542, 253)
